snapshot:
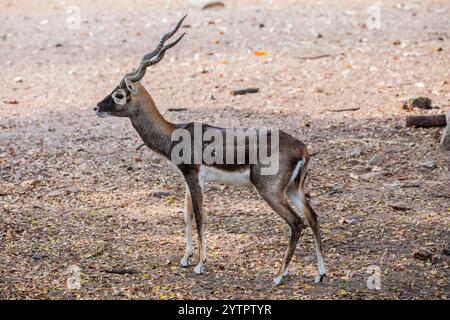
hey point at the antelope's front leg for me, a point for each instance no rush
(188, 217)
(196, 191)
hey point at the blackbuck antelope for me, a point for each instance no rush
(130, 99)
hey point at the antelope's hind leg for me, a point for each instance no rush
(297, 196)
(280, 205)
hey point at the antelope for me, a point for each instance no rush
(130, 99)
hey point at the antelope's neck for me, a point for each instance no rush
(153, 128)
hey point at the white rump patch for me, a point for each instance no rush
(296, 169)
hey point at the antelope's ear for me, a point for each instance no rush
(132, 87)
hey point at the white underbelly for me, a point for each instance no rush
(234, 178)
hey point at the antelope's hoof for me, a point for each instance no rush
(199, 269)
(319, 278)
(185, 261)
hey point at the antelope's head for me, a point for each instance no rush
(124, 100)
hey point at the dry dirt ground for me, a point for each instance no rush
(75, 192)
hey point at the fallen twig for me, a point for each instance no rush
(320, 56)
(446, 196)
(140, 146)
(410, 185)
(213, 4)
(244, 91)
(11, 102)
(176, 109)
(433, 120)
(343, 110)
(368, 140)
(399, 207)
(122, 271)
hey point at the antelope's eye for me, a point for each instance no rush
(119, 96)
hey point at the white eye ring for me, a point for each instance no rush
(122, 100)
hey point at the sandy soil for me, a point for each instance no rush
(74, 190)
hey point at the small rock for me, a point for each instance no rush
(342, 221)
(370, 175)
(38, 256)
(29, 184)
(354, 176)
(354, 161)
(319, 90)
(55, 193)
(419, 102)
(375, 160)
(376, 169)
(74, 190)
(430, 164)
(160, 193)
(18, 79)
(340, 207)
(423, 254)
(358, 150)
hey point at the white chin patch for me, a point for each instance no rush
(102, 114)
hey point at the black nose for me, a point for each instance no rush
(95, 109)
